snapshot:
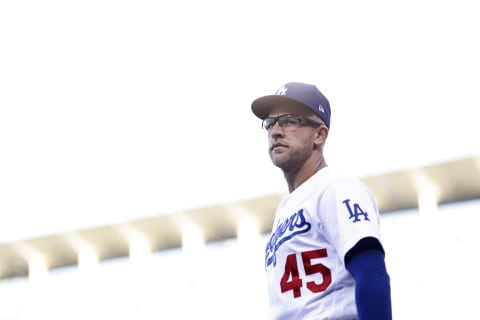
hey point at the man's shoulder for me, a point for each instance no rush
(332, 178)
(333, 175)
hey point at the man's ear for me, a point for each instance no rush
(321, 134)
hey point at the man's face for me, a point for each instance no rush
(290, 147)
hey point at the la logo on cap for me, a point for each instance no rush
(282, 91)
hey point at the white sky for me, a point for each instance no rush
(116, 110)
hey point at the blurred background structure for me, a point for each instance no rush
(135, 182)
(209, 261)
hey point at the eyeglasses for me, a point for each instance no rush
(288, 122)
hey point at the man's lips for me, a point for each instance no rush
(278, 145)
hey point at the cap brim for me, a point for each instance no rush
(262, 106)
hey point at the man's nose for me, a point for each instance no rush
(276, 130)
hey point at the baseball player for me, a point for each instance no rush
(324, 258)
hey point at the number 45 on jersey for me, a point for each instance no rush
(291, 278)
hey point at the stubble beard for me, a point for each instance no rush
(292, 159)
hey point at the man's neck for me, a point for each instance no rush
(296, 178)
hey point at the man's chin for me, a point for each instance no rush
(279, 161)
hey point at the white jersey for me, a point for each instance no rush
(315, 226)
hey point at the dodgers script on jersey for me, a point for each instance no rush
(314, 227)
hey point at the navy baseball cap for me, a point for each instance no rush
(296, 94)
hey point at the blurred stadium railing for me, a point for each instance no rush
(209, 261)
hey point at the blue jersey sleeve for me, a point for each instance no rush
(372, 284)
